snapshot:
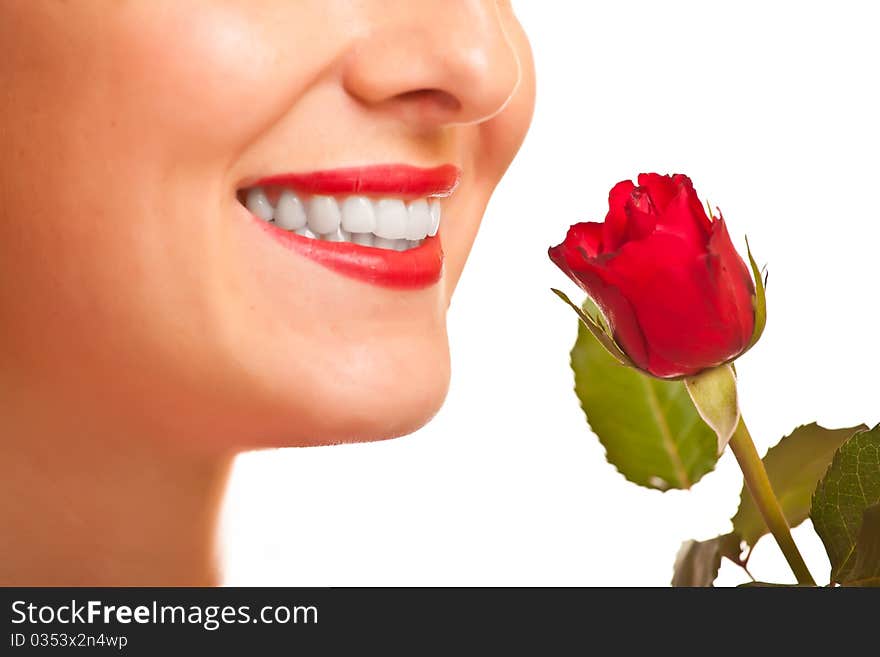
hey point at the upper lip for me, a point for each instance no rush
(381, 179)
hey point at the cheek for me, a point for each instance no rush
(110, 251)
(205, 78)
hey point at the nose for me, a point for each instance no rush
(436, 62)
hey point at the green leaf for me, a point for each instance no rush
(851, 485)
(866, 568)
(650, 429)
(794, 467)
(697, 562)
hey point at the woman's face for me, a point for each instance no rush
(136, 287)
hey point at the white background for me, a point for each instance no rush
(772, 108)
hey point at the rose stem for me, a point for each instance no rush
(762, 493)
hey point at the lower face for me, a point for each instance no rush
(229, 226)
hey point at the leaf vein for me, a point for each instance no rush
(665, 433)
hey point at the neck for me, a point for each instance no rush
(81, 510)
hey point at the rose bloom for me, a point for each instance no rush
(677, 296)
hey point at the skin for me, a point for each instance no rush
(148, 331)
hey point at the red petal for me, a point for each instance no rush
(698, 210)
(614, 228)
(673, 295)
(661, 188)
(684, 215)
(641, 215)
(599, 283)
(735, 288)
(585, 237)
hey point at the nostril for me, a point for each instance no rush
(436, 98)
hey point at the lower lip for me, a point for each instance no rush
(412, 269)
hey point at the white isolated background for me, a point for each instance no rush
(772, 108)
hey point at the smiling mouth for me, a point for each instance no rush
(383, 223)
(391, 207)
(378, 224)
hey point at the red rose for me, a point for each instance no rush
(676, 294)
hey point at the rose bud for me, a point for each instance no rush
(676, 295)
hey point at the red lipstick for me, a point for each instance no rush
(396, 179)
(414, 268)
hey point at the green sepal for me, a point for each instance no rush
(713, 392)
(759, 300)
(598, 330)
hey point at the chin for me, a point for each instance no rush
(362, 393)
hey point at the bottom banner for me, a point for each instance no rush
(288, 620)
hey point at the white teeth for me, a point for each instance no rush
(395, 245)
(391, 245)
(435, 218)
(257, 203)
(391, 219)
(419, 220)
(385, 223)
(323, 215)
(364, 239)
(358, 215)
(338, 235)
(289, 213)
